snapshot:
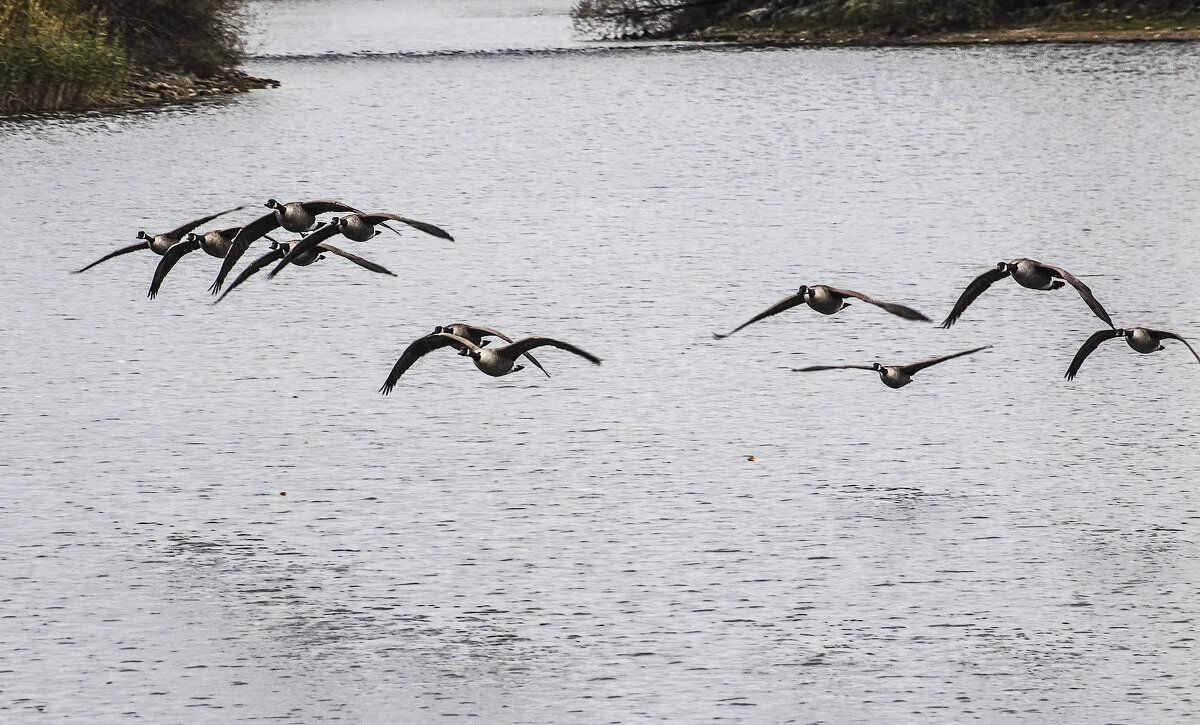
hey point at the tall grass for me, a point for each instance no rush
(54, 56)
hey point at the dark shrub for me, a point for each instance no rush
(192, 36)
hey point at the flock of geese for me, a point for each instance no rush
(1027, 273)
(301, 217)
(230, 245)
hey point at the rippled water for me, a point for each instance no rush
(990, 543)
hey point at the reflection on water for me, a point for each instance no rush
(597, 546)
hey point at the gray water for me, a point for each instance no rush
(991, 543)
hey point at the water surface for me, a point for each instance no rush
(990, 543)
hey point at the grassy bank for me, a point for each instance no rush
(53, 56)
(891, 22)
(61, 54)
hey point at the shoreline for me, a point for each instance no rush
(767, 35)
(148, 88)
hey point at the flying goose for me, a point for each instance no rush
(1142, 339)
(475, 334)
(894, 376)
(279, 249)
(215, 243)
(1028, 273)
(494, 361)
(361, 227)
(159, 243)
(826, 300)
(296, 216)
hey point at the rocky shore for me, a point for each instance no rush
(149, 89)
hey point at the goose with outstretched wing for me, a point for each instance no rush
(895, 376)
(159, 243)
(826, 300)
(1027, 273)
(494, 361)
(1141, 339)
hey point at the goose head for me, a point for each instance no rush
(143, 235)
(275, 245)
(803, 291)
(877, 367)
(272, 204)
(1005, 266)
(192, 237)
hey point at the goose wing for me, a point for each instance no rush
(119, 252)
(1084, 291)
(252, 269)
(364, 263)
(173, 255)
(318, 235)
(1173, 336)
(256, 229)
(418, 349)
(179, 232)
(812, 368)
(418, 225)
(786, 303)
(1086, 349)
(524, 345)
(917, 367)
(977, 287)
(907, 313)
(324, 206)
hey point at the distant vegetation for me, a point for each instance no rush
(52, 56)
(664, 18)
(72, 53)
(200, 37)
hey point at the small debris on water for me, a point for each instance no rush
(749, 458)
(283, 493)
